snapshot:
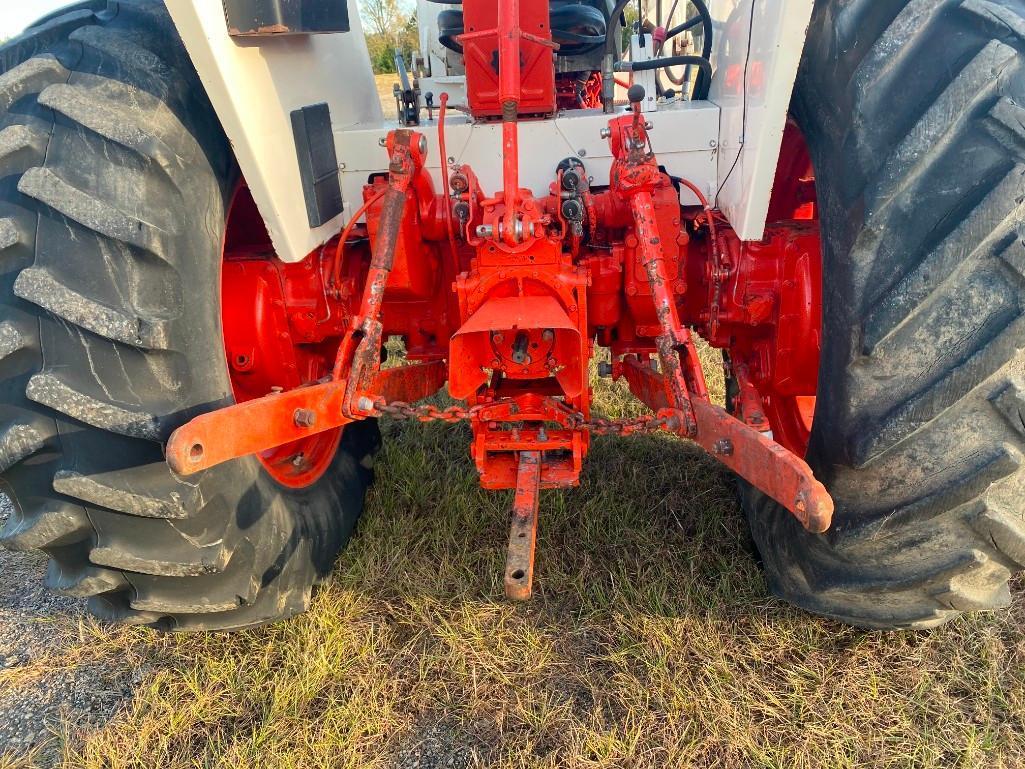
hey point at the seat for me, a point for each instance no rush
(577, 28)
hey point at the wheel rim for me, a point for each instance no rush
(794, 199)
(262, 354)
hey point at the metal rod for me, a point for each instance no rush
(519, 565)
(509, 39)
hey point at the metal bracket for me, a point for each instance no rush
(274, 420)
(754, 457)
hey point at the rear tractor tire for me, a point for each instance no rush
(115, 180)
(913, 116)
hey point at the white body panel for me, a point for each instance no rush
(646, 78)
(753, 85)
(684, 139)
(255, 85)
(728, 145)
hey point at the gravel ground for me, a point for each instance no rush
(34, 625)
(437, 746)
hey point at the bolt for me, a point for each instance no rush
(542, 434)
(298, 460)
(304, 418)
(606, 133)
(382, 142)
(723, 448)
(548, 335)
(581, 153)
(365, 404)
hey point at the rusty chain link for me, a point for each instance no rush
(427, 413)
(650, 423)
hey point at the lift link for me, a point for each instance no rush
(357, 383)
(679, 394)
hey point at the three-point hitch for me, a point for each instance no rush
(504, 297)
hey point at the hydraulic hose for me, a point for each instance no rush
(611, 66)
(608, 86)
(704, 18)
(681, 28)
(674, 61)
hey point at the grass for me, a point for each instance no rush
(386, 93)
(651, 642)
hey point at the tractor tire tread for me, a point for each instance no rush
(921, 393)
(103, 352)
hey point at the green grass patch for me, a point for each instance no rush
(651, 642)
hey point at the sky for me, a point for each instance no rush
(15, 15)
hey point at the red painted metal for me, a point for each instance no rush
(578, 90)
(314, 396)
(497, 33)
(770, 301)
(635, 174)
(279, 419)
(680, 387)
(506, 303)
(280, 332)
(750, 454)
(519, 564)
(527, 420)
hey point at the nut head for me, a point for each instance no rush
(723, 447)
(304, 418)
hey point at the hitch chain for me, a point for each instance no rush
(651, 423)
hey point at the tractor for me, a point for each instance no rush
(211, 229)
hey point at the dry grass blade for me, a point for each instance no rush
(650, 643)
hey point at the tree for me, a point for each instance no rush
(386, 18)
(390, 28)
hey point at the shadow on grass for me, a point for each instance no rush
(650, 642)
(654, 526)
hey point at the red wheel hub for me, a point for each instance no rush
(771, 310)
(791, 411)
(280, 332)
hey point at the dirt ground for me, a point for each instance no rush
(47, 681)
